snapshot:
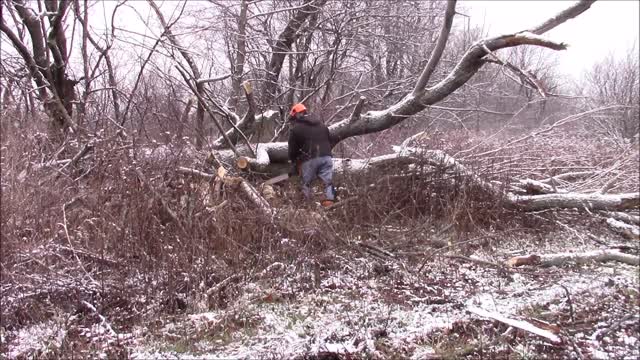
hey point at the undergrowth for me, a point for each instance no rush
(98, 232)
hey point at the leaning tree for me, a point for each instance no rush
(48, 59)
(234, 148)
(309, 46)
(270, 156)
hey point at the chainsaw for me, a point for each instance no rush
(285, 176)
(277, 179)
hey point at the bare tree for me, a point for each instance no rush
(82, 16)
(48, 58)
(423, 96)
(195, 71)
(616, 81)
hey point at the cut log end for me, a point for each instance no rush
(248, 89)
(523, 260)
(242, 163)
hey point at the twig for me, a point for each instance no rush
(445, 246)
(604, 332)
(376, 251)
(79, 155)
(206, 107)
(570, 302)
(73, 250)
(166, 207)
(576, 348)
(194, 172)
(475, 261)
(523, 325)
(222, 284)
(102, 318)
(525, 76)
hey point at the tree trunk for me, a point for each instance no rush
(580, 258)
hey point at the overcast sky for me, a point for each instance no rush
(608, 26)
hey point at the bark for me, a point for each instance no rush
(628, 218)
(580, 258)
(595, 201)
(631, 232)
(241, 50)
(257, 199)
(49, 77)
(523, 325)
(434, 59)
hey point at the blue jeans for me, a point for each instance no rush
(321, 167)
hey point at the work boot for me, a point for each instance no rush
(327, 203)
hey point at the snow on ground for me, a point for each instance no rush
(346, 316)
(39, 338)
(362, 306)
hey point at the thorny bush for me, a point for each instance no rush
(122, 228)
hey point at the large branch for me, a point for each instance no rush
(56, 40)
(104, 53)
(203, 104)
(563, 16)
(237, 66)
(595, 201)
(239, 128)
(31, 21)
(580, 258)
(59, 107)
(520, 324)
(439, 49)
(471, 62)
(244, 126)
(32, 65)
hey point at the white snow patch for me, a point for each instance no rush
(37, 339)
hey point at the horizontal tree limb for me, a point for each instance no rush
(563, 258)
(595, 201)
(631, 232)
(520, 324)
(628, 218)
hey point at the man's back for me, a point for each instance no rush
(309, 139)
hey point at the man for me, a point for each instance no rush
(310, 152)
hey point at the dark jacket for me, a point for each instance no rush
(309, 138)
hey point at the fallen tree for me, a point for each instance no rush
(580, 258)
(270, 155)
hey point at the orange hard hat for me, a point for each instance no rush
(297, 108)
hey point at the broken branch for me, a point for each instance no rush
(520, 324)
(562, 258)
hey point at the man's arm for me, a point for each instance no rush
(294, 146)
(294, 152)
(332, 140)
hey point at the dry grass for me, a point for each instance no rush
(100, 234)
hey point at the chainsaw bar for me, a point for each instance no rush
(276, 179)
